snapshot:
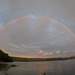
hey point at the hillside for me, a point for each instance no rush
(4, 57)
(41, 59)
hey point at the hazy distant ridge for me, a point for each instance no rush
(41, 59)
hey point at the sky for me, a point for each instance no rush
(37, 28)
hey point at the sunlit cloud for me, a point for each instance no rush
(45, 53)
(51, 53)
(58, 52)
(40, 52)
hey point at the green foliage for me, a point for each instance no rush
(4, 57)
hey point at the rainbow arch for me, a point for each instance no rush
(36, 16)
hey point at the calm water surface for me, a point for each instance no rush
(42, 68)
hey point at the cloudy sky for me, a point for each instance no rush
(37, 28)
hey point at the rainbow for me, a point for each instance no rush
(36, 16)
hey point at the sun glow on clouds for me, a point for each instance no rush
(51, 53)
(45, 54)
(40, 52)
(57, 51)
(37, 33)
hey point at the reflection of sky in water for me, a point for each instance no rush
(39, 68)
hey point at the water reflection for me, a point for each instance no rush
(43, 68)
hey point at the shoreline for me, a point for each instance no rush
(4, 67)
(19, 59)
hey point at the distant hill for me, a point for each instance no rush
(41, 59)
(4, 57)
